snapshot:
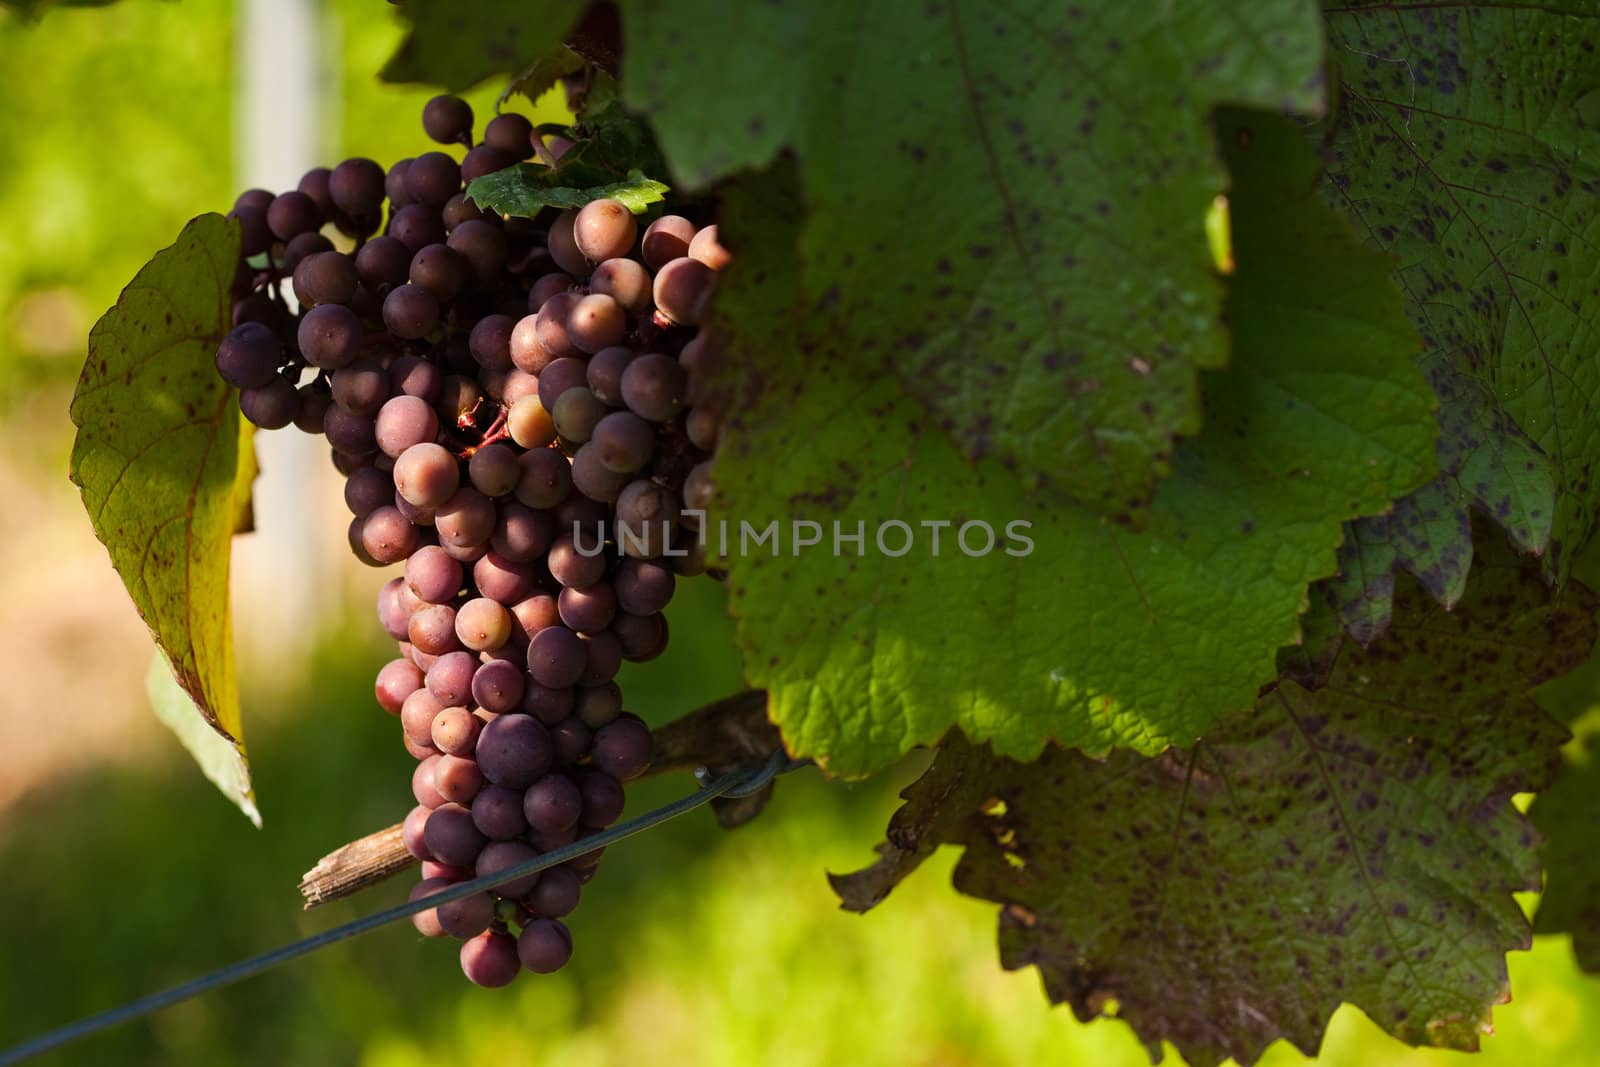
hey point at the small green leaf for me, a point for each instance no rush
(219, 759)
(458, 43)
(1353, 843)
(524, 189)
(545, 72)
(162, 463)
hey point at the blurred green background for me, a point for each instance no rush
(125, 872)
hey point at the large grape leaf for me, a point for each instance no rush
(1099, 636)
(1351, 843)
(1006, 200)
(458, 43)
(1465, 142)
(158, 458)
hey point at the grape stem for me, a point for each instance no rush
(729, 733)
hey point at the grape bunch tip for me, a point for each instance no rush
(515, 406)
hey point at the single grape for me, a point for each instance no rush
(461, 208)
(697, 487)
(603, 799)
(604, 229)
(313, 408)
(422, 786)
(563, 245)
(643, 637)
(643, 587)
(491, 959)
(393, 614)
(546, 478)
(702, 426)
(416, 226)
(324, 278)
(526, 352)
(592, 478)
(549, 706)
(535, 613)
(490, 341)
(415, 376)
(693, 562)
(482, 245)
(529, 424)
(467, 917)
(291, 214)
(500, 856)
(465, 553)
(682, 290)
(352, 434)
(483, 624)
(466, 519)
(254, 199)
(625, 281)
(550, 328)
(396, 680)
(433, 629)
(521, 534)
(455, 729)
(498, 686)
(448, 120)
(501, 580)
(596, 321)
(484, 159)
(604, 373)
(272, 406)
(653, 387)
(449, 679)
(708, 250)
(665, 240)
(394, 184)
(440, 270)
(383, 261)
(557, 893)
(497, 813)
(457, 779)
(570, 739)
(356, 186)
(314, 183)
(514, 751)
(576, 412)
(495, 469)
(329, 336)
(510, 133)
(556, 657)
(552, 803)
(574, 568)
(597, 705)
(546, 286)
(426, 475)
(623, 749)
(410, 311)
(647, 513)
(361, 387)
(403, 422)
(298, 250)
(589, 609)
(548, 842)
(366, 490)
(255, 237)
(623, 442)
(432, 179)
(416, 716)
(544, 947)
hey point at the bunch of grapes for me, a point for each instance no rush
(511, 403)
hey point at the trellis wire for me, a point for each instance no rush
(739, 783)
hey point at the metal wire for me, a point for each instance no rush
(739, 783)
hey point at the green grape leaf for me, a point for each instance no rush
(545, 72)
(525, 189)
(165, 470)
(1489, 200)
(1006, 200)
(1353, 843)
(1567, 816)
(458, 43)
(1097, 636)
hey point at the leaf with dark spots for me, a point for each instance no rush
(1490, 200)
(1354, 843)
(1087, 634)
(1017, 184)
(458, 43)
(165, 472)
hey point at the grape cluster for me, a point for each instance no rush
(511, 403)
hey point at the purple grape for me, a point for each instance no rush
(248, 356)
(521, 534)
(598, 704)
(653, 387)
(605, 373)
(404, 421)
(413, 832)
(603, 799)
(502, 580)
(383, 261)
(571, 740)
(549, 706)
(497, 813)
(272, 406)
(492, 960)
(665, 240)
(396, 680)
(587, 609)
(500, 856)
(682, 290)
(457, 779)
(427, 475)
(557, 894)
(546, 478)
(552, 803)
(387, 536)
(450, 682)
(514, 751)
(623, 749)
(422, 784)
(625, 281)
(432, 629)
(556, 657)
(467, 917)
(427, 922)
(361, 387)
(643, 587)
(329, 336)
(498, 686)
